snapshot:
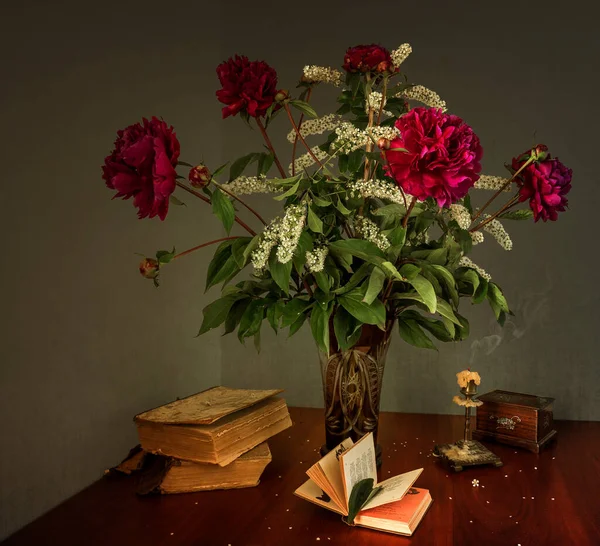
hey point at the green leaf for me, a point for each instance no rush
(238, 250)
(391, 214)
(281, 273)
(409, 271)
(250, 247)
(322, 281)
(164, 256)
(298, 324)
(375, 285)
(238, 166)
(288, 193)
(481, 292)
(444, 309)
(355, 160)
(433, 326)
(361, 273)
(361, 492)
(220, 169)
(390, 270)
(426, 291)
(176, 201)
(411, 333)
(447, 279)
(304, 107)
(223, 209)
(292, 311)
(470, 276)
(367, 314)
(365, 250)
(319, 325)
(265, 162)
(343, 160)
(216, 312)
(305, 244)
(463, 238)
(274, 313)
(251, 319)
(222, 265)
(342, 208)
(314, 222)
(235, 314)
(346, 329)
(497, 301)
(321, 201)
(523, 214)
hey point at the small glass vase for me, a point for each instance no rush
(352, 382)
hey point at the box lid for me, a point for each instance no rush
(516, 399)
(206, 407)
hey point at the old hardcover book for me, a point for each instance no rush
(167, 475)
(215, 426)
(396, 507)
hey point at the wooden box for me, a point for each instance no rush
(520, 420)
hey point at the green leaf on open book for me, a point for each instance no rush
(362, 492)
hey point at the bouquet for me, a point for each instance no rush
(382, 202)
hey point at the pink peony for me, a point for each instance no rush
(545, 183)
(247, 86)
(142, 166)
(442, 157)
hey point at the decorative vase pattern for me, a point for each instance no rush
(352, 382)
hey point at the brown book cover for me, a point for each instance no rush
(215, 426)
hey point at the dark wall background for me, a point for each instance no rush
(87, 343)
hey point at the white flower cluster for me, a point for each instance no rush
(467, 262)
(290, 230)
(316, 126)
(461, 215)
(494, 183)
(379, 189)
(400, 54)
(374, 101)
(283, 233)
(350, 138)
(496, 229)
(260, 256)
(426, 96)
(369, 231)
(247, 185)
(306, 160)
(325, 74)
(477, 237)
(315, 259)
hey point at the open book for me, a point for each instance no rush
(341, 482)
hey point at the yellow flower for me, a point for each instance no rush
(465, 376)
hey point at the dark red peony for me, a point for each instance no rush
(545, 183)
(142, 166)
(247, 86)
(149, 268)
(442, 158)
(367, 58)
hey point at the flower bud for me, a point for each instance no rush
(282, 95)
(540, 152)
(149, 268)
(384, 143)
(199, 176)
(383, 66)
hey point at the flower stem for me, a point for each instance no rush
(308, 93)
(508, 182)
(507, 206)
(239, 201)
(270, 146)
(408, 211)
(190, 250)
(383, 97)
(207, 200)
(299, 135)
(369, 146)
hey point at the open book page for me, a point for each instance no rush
(358, 463)
(327, 475)
(393, 489)
(311, 492)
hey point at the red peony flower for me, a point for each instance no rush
(545, 182)
(442, 157)
(247, 86)
(199, 176)
(142, 166)
(367, 58)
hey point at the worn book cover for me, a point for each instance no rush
(215, 426)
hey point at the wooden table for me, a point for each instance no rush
(548, 499)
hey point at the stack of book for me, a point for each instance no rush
(215, 439)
